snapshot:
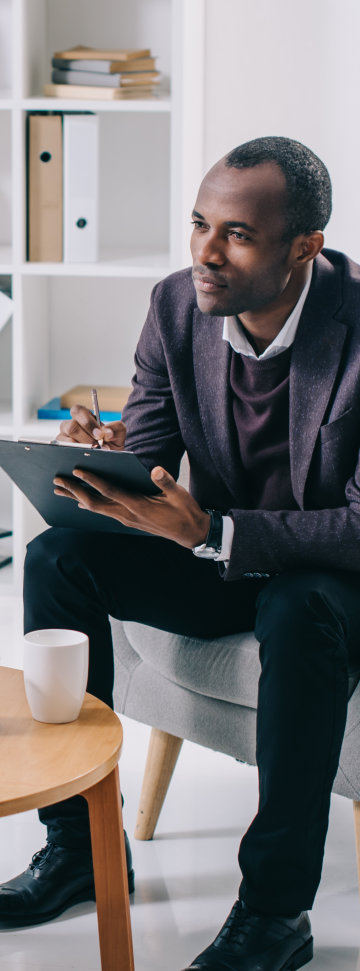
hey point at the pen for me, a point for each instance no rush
(96, 413)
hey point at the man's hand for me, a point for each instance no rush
(82, 427)
(173, 514)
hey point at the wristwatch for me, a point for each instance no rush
(213, 543)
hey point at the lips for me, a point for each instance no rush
(208, 284)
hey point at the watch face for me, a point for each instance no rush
(206, 552)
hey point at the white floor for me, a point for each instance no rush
(187, 877)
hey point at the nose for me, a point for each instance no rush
(209, 250)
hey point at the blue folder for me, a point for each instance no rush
(53, 410)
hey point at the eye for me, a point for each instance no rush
(236, 234)
(197, 224)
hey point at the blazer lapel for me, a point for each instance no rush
(211, 356)
(315, 362)
(314, 365)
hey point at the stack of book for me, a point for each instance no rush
(89, 72)
(112, 400)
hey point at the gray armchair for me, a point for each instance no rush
(205, 691)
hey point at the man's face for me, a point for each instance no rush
(240, 262)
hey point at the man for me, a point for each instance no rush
(265, 403)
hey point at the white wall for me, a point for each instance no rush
(287, 68)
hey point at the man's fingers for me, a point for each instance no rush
(82, 427)
(59, 491)
(128, 504)
(99, 503)
(172, 513)
(76, 488)
(79, 428)
(162, 478)
(84, 418)
(114, 434)
(107, 489)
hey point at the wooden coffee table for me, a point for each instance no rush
(42, 764)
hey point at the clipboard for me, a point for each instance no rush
(33, 466)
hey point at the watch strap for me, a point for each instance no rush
(214, 536)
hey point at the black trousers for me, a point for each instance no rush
(307, 622)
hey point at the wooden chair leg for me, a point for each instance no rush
(357, 835)
(110, 872)
(161, 760)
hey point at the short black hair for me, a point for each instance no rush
(307, 179)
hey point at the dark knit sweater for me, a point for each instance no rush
(261, 412)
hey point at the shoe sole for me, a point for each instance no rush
(301, 957)
(79, 898)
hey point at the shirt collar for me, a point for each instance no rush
(234, 334)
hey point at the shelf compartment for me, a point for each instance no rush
(6, 257)
(5, 51)
(6, 366)
(6, 522)
(5, 188)
(51, 26)
(77, 330)
(6, 513)
(134, 192)
(134, 183)
(6, 419)
(7, 580)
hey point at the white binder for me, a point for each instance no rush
(80, 189)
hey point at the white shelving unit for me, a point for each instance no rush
(76, 323)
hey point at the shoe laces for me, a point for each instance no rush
(40, 858)
(238, 924)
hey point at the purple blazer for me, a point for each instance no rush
(181, 400)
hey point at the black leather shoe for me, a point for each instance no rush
(57, 878)
(255, 942)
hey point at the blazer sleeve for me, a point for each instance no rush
(152, 427)
(274, 541)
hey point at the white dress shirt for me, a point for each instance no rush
(234, 334)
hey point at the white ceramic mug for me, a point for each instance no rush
(55, 673)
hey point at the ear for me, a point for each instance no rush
(306, 247)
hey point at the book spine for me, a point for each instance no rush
(83, 91)
(105, 67)
(99, 67)
(103, 54)
(104, 80)
(85, 77)
(93, 92)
